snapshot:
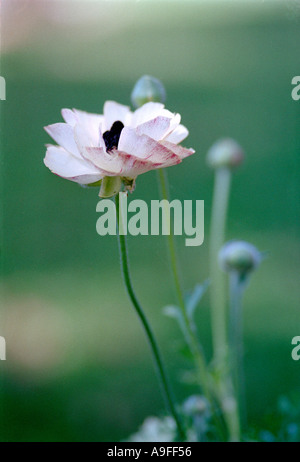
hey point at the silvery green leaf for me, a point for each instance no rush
(174, 312)
(195, 297)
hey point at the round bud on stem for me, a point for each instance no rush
(147, 89)
(240, 257)
(225, 153)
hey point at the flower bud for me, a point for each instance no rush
(147, 89)
(240, 257)
(225, 153)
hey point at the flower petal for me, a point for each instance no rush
(119, 163)
(91, 123)
(155, 128)
(147, 112)
(144, 147)
(84, 140)
(94, 154)
(107, 163)
(62, 163)
(69, 116)
(178, 135)
(114, 111)
(74, 116)
(63, 134)
(132, 167)
(180, 151)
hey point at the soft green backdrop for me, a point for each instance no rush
(79, 367)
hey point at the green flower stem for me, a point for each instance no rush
(218, 293)
(189, 328)
(224, 387)
(153, 344)
(192, 339)
(237, 347)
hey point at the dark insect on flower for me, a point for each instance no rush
(111, 137)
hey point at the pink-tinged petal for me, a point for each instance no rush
(178, 135)
(94, 154)
(63, 134)
(147, 112)
(155, 128)
(114, 111)
(132, 167)
(180, 151)
(144, 147)
(91, 123)
(175, 121)
(119, 163)
(111, 164)
(62, 163)
(84, 139)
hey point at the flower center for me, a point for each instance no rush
(111, 137)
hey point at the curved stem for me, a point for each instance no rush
(153, 344)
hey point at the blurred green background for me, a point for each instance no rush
(78, 365)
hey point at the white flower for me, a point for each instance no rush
(119, 143)
(155, 430)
